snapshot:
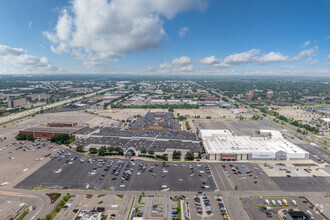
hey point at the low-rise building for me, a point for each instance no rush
(16, 102)
(271, 145)
(39, 97)
(269, 94)
(249, 95)
(51, 129)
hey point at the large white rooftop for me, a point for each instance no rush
(222, 141)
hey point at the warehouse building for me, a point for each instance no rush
(222, 145)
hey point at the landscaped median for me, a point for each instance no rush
(22, 216)
(58, 207)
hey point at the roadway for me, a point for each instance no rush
(35, 110)
(231, 198)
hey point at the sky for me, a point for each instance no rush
(200, 37)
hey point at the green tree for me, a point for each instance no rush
(102, 150)
(151, 152)
(92, 150)
(30, 137)
(111, 149)
(190, 155)
(176, 154)
(144, 151)
(80, 148)
(60, 138)
(21, 136)
(119, 150)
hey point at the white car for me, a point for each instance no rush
(180, 180)
(138, 173)
(122, 186)
(164, 186)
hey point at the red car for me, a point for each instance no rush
(236, 173)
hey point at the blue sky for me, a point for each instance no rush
(166, 36)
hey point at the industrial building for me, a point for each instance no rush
(51, 129)
(222, 145)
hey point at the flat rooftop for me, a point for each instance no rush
(222, 141)
(64, 130)
(157, 145)
(159, 140)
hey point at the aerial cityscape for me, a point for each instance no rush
(164, 110)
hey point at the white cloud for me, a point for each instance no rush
(17, 57)
(10, 51)
(310, 61)
(30, 24)
(251, 56)
(211, 60)
(287, 67)
(239, 58)
(179, 65)
(271, 57)
(307, 43)
(306, 53)
(182, 61)
(183, 31)
(186, 68)
(99, 31)
(328, 63)
(165, 66)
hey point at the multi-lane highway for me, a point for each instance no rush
(35, 110)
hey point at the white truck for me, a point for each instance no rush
(294, 202)
(274, 202)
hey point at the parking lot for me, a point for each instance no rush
(114, 205)
(245, 177)
(303, 184)
(198, 210)
(246, 127)
(253, 205)
(18, 159)
(11, 207)
(70, 172)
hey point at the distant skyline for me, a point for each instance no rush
(178, 37)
